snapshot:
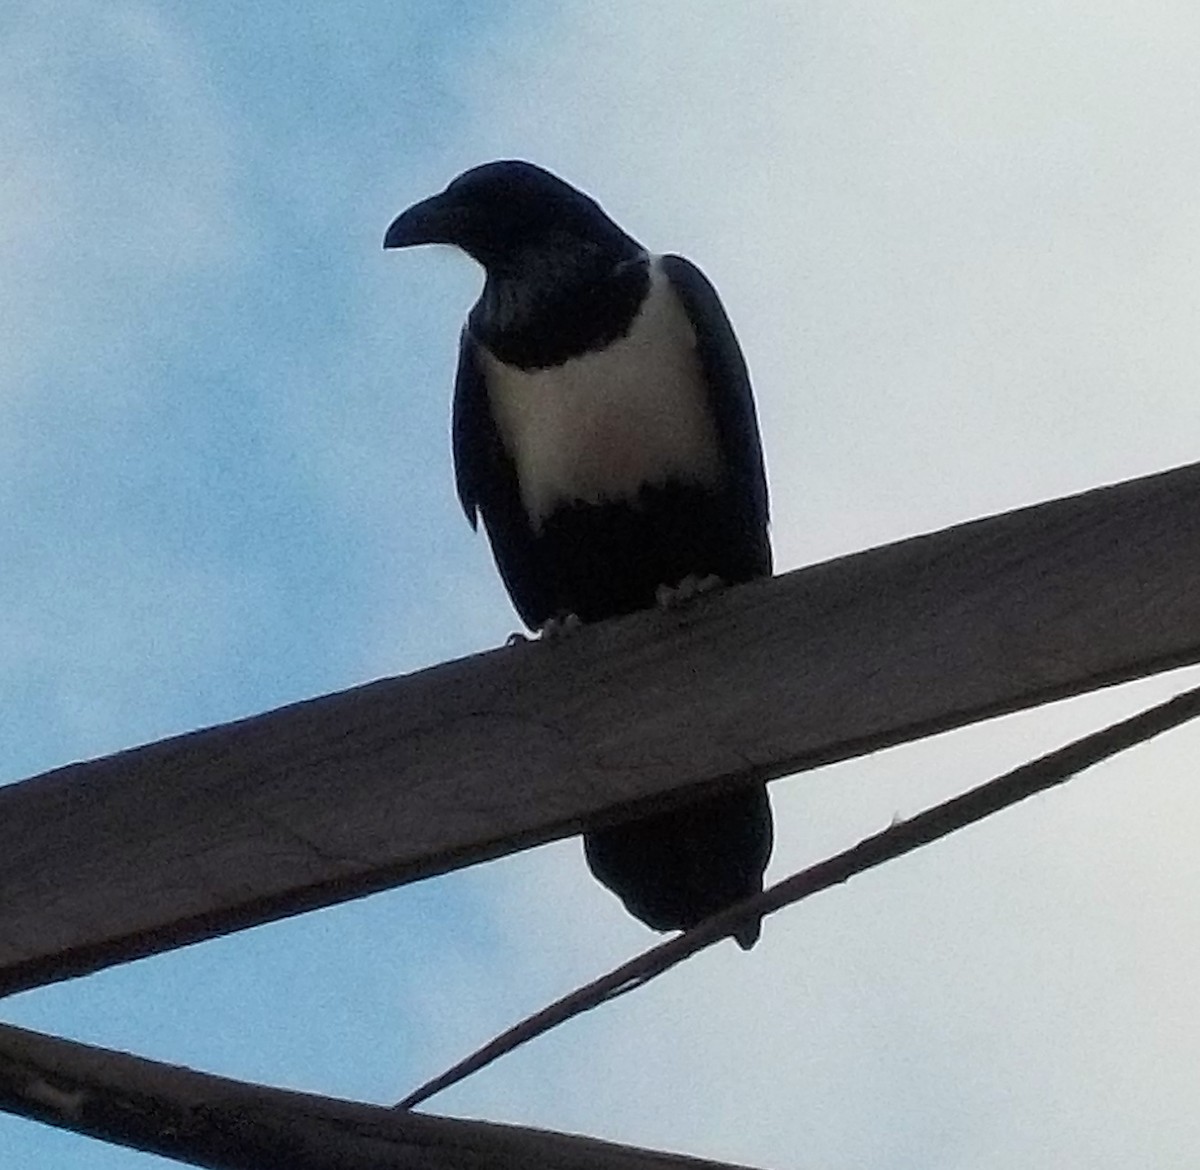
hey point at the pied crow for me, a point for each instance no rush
(605, 432)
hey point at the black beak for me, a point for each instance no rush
(432, 221)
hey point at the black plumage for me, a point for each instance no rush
(605, 431)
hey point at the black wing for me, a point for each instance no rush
(730, 399)
(487, 487)
(473, 434)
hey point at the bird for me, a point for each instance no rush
(605, 432)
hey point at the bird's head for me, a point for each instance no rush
(506, 213)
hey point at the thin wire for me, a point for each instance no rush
(934, 823)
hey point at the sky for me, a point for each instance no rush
(959, 244)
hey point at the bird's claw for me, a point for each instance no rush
(559, 626)
(691, 587)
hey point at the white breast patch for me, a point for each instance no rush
(599, 427)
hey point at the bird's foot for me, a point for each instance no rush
(516, 638)
(559, 626)
(691, 587)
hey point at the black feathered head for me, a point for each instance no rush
(501, 212)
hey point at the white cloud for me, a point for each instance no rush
(116, 191)
(117, 217)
